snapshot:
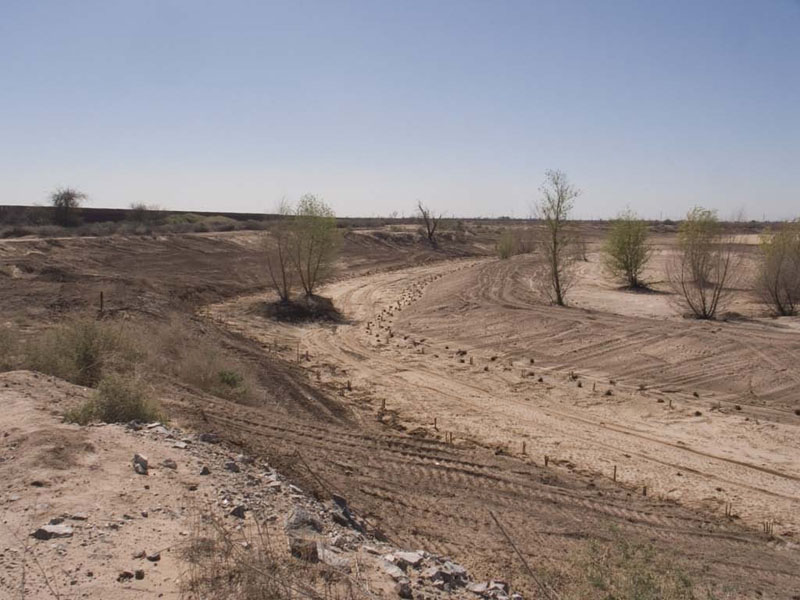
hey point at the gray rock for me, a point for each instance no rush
(393, 570)
(332, 559)
(413, 559)
(169, 464)
(139, 574)
(49, 532)
(478, 588)
(232, 467)
(180, 445)
(403, 589)
(205, 471)
(209, 438)
(155, 557)
(300, 519)
(140, 464)
(238, 512)
(125, 576)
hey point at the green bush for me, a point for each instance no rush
(117, 400)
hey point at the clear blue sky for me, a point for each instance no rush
(231, 105)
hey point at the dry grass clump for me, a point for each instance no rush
(194, 359)
(247, 564)
(117, 400)
(9, 345)
(83, 351)
(619, 569)
(87, 352)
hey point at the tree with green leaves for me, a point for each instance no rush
(557, 244)
(705, 265)
(778, 278)
(314, 241)
(626, 250)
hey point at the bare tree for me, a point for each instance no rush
(430, 221)
(778, 278)
(557, 244)
(314, 241)
(66, 202)
(705, 265)
(626, 249)
(278, 249)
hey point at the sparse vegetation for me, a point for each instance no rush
(778, 277)
(430, 222)
(505, 244)
(627, 250)
(117, 399)
(67, 202)
(705, 265)
(82, 351)
(9, 344)
(247, 564)
(623, 570)
(557, 245)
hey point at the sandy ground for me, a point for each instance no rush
(456, 348)
(462, 345)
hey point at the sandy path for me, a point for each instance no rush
(747, 457)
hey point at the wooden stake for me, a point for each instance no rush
(615, 472)
(435, 424)
(546, 460)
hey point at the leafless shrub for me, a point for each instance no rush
(778, 278)
(430, 222)
(67, 202)
(557, 244)
(249, 564)
(705, 265)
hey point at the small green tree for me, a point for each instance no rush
(557, 244)
(67, 202)
(315, 241)
(278, 247)
(626, 251)
(705, 265)
(778, 278)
